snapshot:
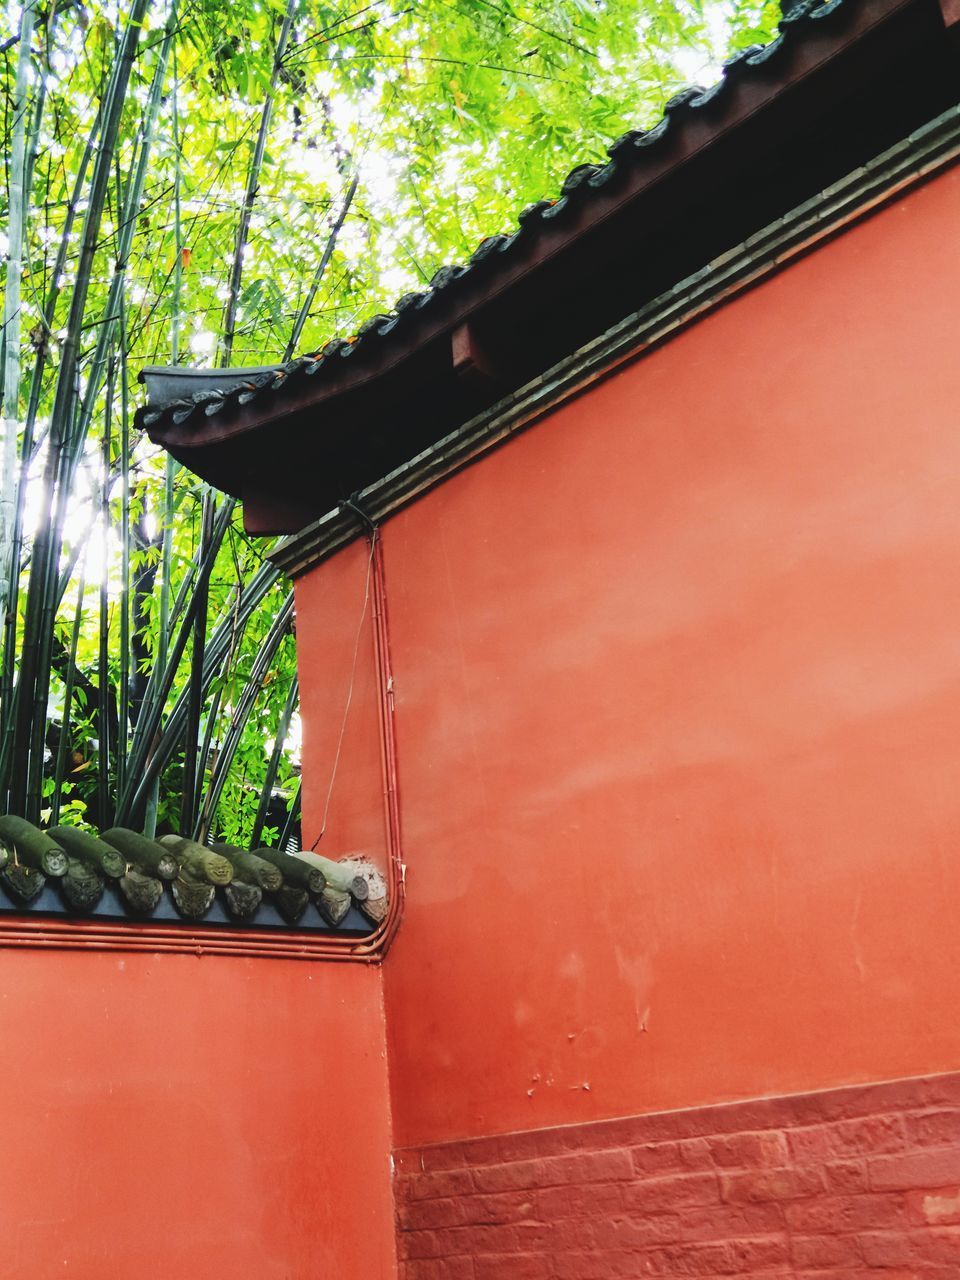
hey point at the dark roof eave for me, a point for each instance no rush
(752, 105)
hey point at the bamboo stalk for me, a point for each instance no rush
(124, 531)
(286, 835)
(273, 765)
(160, 659)
(26, 454)
(103, 713)
(62, 745)
(252, 688)
(304, 313)
(30, 712)
(152, 748)
(253, 184)
(195, 685)
(18, 196)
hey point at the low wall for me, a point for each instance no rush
(840, 1184)
(177, 1117)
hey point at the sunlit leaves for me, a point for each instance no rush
(454, 113)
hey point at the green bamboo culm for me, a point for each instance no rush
(253, 186)
(63, 745)
(26, 763)
(18, 194)
(273, 765)
(18, 197)
(244, 705)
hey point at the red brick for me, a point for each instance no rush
(597, 1199)
(846, 1175)
(934, 1128)
(728, 1221)
(435, 1186)
(548, 1237)
(512, 1267)
(672, 1193)
(494, 1210)
(886, 1249)
(827, 1214)
(437, 1269)
(637, 1232)
(490, 1210)
(423, 1214)
(487, 1238)
(594, 1266)
(766, 1150)
(659, 1158)
(825, 1251)
(407, 1161)
(933, 1168)
(735, 1257)
(867, 1273)
(689, 1260)
(599, 1166)
(774, 1184)
(762, 1252)
(866, 1136)
(483, 1151)
(422, 1244)
(936, 1208)
(940, 1246)
(448, 1155)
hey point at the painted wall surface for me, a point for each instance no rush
(343, 808)
(678, 688)
(199, 1118)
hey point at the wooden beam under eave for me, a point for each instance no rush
(472, 359)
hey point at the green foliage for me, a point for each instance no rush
(448, 117)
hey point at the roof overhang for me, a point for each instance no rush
(845, 80)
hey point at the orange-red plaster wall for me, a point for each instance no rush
(678, 705)
(343, 810)
(197, 1118)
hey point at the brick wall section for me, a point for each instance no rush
(837, 1185)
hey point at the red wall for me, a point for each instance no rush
(678, 688)
(199, 1118)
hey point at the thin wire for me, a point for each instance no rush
(346, 709)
